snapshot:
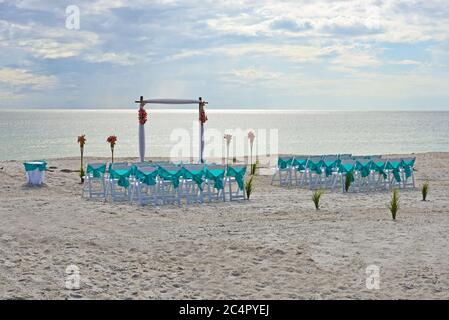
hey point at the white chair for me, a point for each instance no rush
(408, 166)
(283, 173)
(144, 186)
(214, 183)
(168, 184)
(114, 190)
(234, 176)
(94, 180)
(189, 188)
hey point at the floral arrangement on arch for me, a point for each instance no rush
(142, 116)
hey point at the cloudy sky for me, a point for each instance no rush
(374, 54)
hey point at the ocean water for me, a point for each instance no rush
(45, 134)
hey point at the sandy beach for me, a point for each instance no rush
(274, 246)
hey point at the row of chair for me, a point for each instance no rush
(345, 171)
(160, 183)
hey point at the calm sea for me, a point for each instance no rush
(36, 134)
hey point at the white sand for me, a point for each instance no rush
(275, 246)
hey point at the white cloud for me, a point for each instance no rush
(124, 59)
(25, 78)
(46, 42)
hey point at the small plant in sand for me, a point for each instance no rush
(425, 190)
(316, 197)
(394, 204)
(82, 141)
(254, 167)
(348, 181)
(249, 187)
(112, 140)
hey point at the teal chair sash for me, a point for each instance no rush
(408, 165)
(238, 173)
(378, 166)
(394, 166)
(299, 163)
(284, 162)
(196, 175)
(329, 166)
(121, 175)
(146, 177)
(97, 170)
(315, 165)
(217, 175)
(170, 174)
(364, 167)
(348, 169)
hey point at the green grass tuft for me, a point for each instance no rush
(425, 190)
(394, 204)
(348, 181)
(249, 187)
(316, 197)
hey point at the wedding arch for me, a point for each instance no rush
(202, 118)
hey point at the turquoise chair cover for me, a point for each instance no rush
(121, 175)
(217, 176)
(315, 165)
(408, 165)
(364, 167)
(284, 162)
(329, 166)
(97, 170)
(195, 175)
(378, 166)
(170, 175)
(148, 178)
(33, 165)
(238, 173)
(347, 168)
(134, 167)
(299, 163)
(395, 165)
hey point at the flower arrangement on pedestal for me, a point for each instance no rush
(82, 141)
(228, 138)
(251, 137)
(112, 140)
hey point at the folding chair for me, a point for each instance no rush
(235, 177)
(191, 187)
(214, 182)
(283, 171)
(118, 181)
(168, 184)
(143, 188)
(94, 180)
(408, 176)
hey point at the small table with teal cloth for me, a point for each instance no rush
(238, 173)
(122, 175)
(35, 172)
